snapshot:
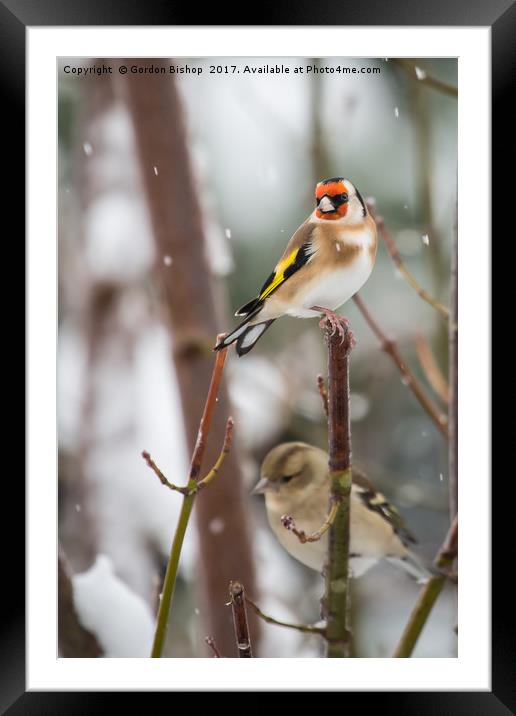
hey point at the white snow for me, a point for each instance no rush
(420, 74)
(227, 233)
(119, 618)
(88, 149)
(425, 239)
(118, 237)
(156, 171)
(359, 407)
(396, 112)
(258, 392)
(167, 260)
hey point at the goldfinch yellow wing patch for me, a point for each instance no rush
(285, 268)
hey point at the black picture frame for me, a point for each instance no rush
(15, 17)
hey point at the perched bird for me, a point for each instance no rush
(325, 263)
(295, 481)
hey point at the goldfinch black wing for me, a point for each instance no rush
(376, 502)
(299, 251)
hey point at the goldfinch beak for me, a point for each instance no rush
(325, 205)
(260, 487)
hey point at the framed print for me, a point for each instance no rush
(212, 474)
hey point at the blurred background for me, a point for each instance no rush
(177, 195)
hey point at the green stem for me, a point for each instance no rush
(419, 617)
(428, 595)
(336, 575)
(188, 499)
(171, 574)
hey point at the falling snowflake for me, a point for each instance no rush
(156, 171)
(420, 74)
(337, 246)
(88, 149)
(396, 112)
(78, 508)
(441, 477)
(425, 239)
(167, 260)
(216, 526)
(228, 233)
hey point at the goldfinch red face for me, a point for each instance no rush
(337, 199)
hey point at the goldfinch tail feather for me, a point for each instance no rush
(249, 307)
(244, 334)
(248, 338)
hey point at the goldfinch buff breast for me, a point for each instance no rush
(327, 260)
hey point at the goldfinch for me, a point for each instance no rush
(295, 481)
(327, 260)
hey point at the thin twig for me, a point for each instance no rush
(161, 477)
(237, 601)
(306, 628)
(408, 377)
(228, 438)
(336, 570)
(323, 393)
(289, 524)
(188, 502)
(431, 369)
(400, 265)
(453, 373)
(428, 595)
(425, 79)
(210, 641)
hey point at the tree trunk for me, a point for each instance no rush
(175, 212)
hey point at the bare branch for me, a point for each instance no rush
(411, 69)
(453, 373)
(237, 601)
(408, 377)
(398, 262)
(336, 570)
(431, 369)
(289, 524)
(161, 477)
(306, 628)
(228, 438)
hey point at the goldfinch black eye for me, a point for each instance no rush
(343, 197)
(287, 478)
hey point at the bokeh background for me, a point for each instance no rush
(255, 146)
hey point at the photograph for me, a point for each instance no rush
(257, 357)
